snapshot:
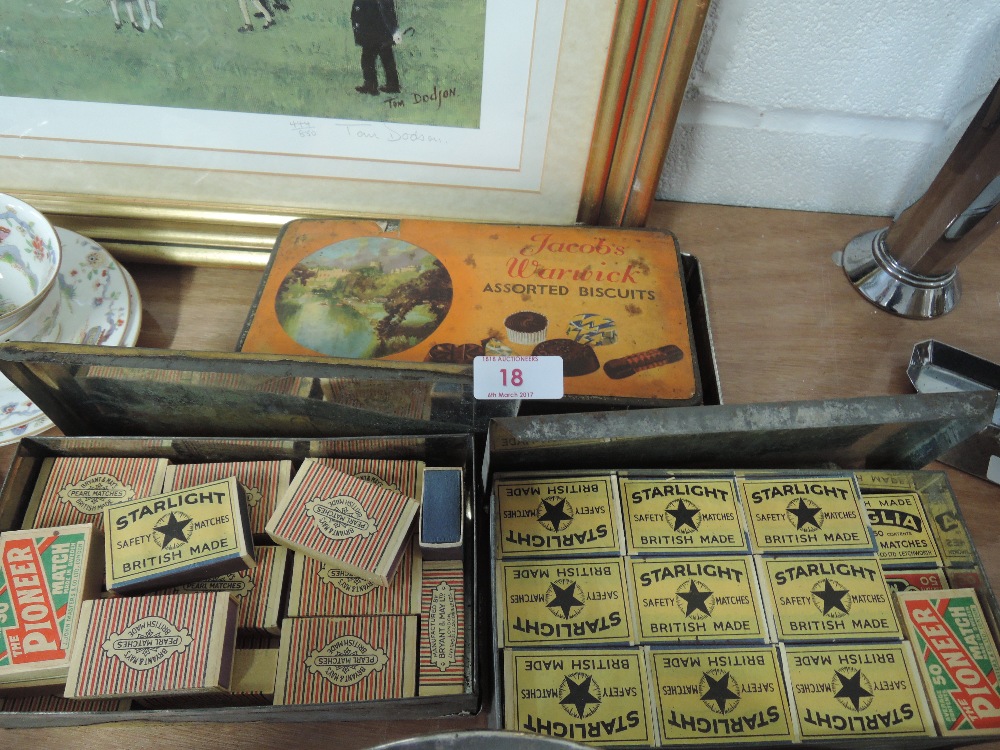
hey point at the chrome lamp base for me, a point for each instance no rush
(885, 283)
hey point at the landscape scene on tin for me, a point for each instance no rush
(364, 297)
(289, 57)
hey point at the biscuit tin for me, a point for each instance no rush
(257, 591)
(46, 575)
(442, 629)
(349, 523)
(185, 535)
(594, 696)
(869, 691)
(709, 695)
(682, 515)
(558, 516)
(405, 477)
(77, 489)
(805, 514)
(152, 645)
(957, 658)
(697, 599)
(903, 537)
(828, 599)
(575, 601)
(334, 659)
(262, 481)
(320, 590)
(610, 302)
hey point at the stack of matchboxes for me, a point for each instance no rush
(694, 607)
(139, 583)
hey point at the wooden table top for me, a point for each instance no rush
(786, 324)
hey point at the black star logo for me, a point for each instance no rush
(579, 695)
(172, 529)
(684, 515)
(696, 600)
(564, 599)
(831, 597)
(804, 514)
(719, 691)
(555, 513)
(852, 689)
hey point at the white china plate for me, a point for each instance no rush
(100, 305)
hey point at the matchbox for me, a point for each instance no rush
(444, 629)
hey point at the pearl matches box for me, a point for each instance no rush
(611, 303)
(708, 695)
(263, 482)
(153, 645)
(77, 489)
(336, 659)
(349, 523)
(46, 575)
(180, 536)
(558, 516)
(258, 591)
(405, 477)
(957, 657)
(443, 627)
(319, 589)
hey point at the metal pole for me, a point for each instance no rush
(911, 268)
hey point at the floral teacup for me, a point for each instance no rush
(30, 255)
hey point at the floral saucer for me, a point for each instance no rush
(100, 305)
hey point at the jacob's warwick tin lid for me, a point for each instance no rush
(597, 697)
(957, 659)
(575, 601)
(828, 598)
(863, 690)
(349, 523)
(709, 695)
(682, 515)
(186, 535)
(803, 514)
(697, 599)
(558, 516)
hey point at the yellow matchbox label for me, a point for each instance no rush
(871, 691)
(680, 515)
(697, 598)
(571, 602)
(711, 695)
(558, 516)
(829, 598)
(805, 514)
(189, 534)
(903, 537)
(596, 697)
(885, 481)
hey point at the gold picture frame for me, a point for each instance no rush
(610, 115)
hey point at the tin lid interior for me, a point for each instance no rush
(97, 390)
(876, 432)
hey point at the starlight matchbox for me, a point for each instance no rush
(186, 535)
